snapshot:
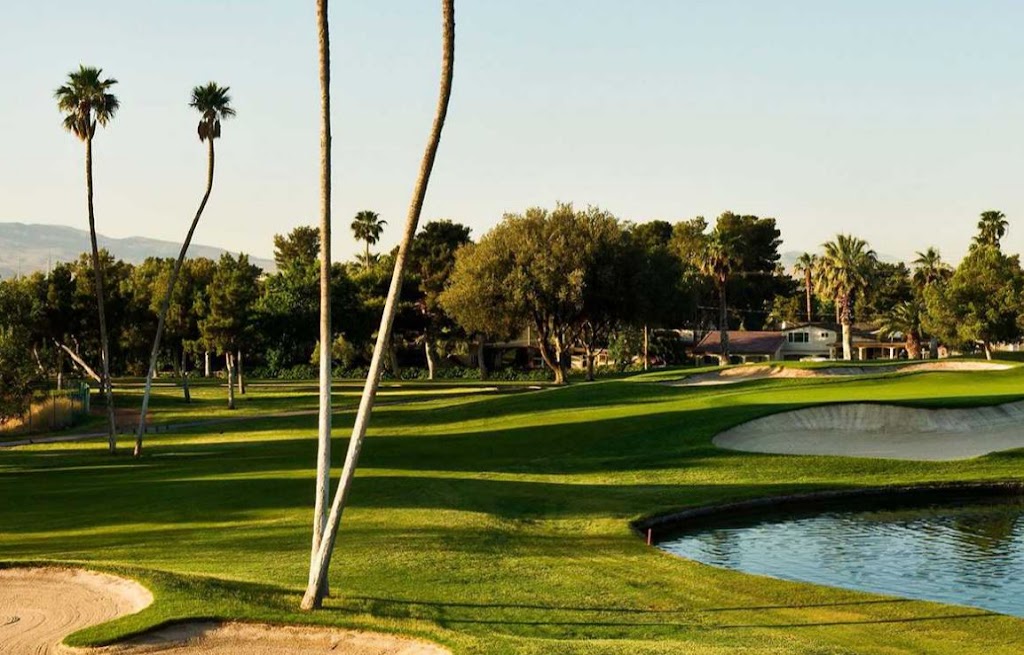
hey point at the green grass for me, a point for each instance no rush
(491, 522)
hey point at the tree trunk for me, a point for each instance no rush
(428, 349)
(184, 376)
(933, 348)
(807, 283)
(396, 372)
(988, 350)
(97, 272)
(166, 302)
(240, 374)
(724, 325)
(81, 364)
(320, 564)
(847, 336)
(481, 356)
(322, 498)
(229, 367)
(60, 369)
(647, 343)
(206, 363)
(549, 359)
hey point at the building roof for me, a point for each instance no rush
(742, 343)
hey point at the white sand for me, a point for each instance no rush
(882, 431)
(744, 373)
(41, 606)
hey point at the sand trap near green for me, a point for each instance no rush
(747, 372)
(882, 431)
(41, 606)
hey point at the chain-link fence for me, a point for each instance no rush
(51, 409)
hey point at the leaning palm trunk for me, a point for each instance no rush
(323, 455)
(97, 271)
(321, 561)
(166, 302)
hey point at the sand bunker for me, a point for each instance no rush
(748, 372)
(41, 606)
(882, 431)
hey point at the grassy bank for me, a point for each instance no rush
(490, 521)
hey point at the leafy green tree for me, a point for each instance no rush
(844, 273)
(980, 305)
(665, 289)
(432, 262)
(227, 324)
(367, 227)
(929, 269)
(18, 373)
(299, 248)
(86, 102)
(991, 228)
(889, 285)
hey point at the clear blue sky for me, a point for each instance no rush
(898, 121)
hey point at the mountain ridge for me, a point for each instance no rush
(26, 248)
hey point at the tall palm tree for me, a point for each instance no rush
(320, 563)
(367, 227)
(929, 268)
(844, 271)
(86, 102)
(905, 319)
(717, 262)
(805, 266)
(214, 105)
(322, 500)
(991, 228)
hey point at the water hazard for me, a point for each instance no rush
(962, 550)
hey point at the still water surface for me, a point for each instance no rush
(965, 551)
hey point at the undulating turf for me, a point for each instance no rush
(489, 521)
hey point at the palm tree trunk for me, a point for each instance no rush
(429, 351)
(166, 302)
(647, 343)
(206, 363)
(240, 374)
(320, 564)
(807, 282)
(97, 272)
(322, 498)
(724, 325)
(844, 318)
(366, 256)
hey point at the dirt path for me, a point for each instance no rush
(41, 606)
(736, 374)
(882, 431)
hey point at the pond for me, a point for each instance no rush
(964, 550)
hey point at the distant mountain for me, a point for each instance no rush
(789, 258)
(26, 248)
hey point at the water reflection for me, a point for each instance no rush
(966, 551)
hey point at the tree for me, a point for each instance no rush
(367, 227)
(86, 102)
(844, 272)
(889, 285)
(717, 262)
(433, 259)
(227, 323)
(300, 247)
(214, 105)
(17, 373)
(929, 268)
(991, 228)
(981, 302)
(906, 320)
(804, 267)
(320, 563)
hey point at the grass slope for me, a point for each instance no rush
(491, 522)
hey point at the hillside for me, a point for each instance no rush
(27, 247)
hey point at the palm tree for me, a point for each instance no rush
(717, 262)
(844, 270)
(367, 227)
(214, 105)
(805, 266)
(320, 563)
(322, 499)
(86, 102)
(929, 268)
(905, 319)
(991, 228)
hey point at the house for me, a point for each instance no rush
(800, 341)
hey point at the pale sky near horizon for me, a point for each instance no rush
(897, 121)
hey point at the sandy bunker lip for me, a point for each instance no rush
(41, 606)
(882, 431)
(736, 374)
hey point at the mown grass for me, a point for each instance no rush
(491, 522)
